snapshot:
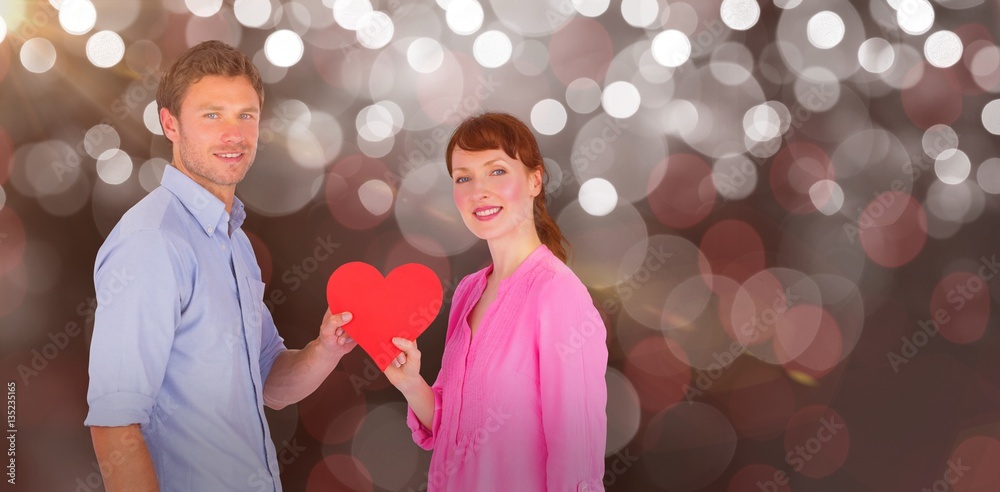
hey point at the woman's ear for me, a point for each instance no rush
(535, 181)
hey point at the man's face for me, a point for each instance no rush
(215, 133)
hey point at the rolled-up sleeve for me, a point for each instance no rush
(271, 344)
(573, 359)
(423, 436)
(137, 281)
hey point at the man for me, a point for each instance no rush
(185, 355)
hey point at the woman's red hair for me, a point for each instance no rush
(491, 131)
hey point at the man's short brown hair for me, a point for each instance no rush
(207, 58)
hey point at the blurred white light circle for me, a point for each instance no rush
(826, 196)
(787, 4)
(548, 116)
(38, 55)
(734, 176)
(740, 14)
(671, 48)
(620, 99)
(151, 172)
(984, 63)
(374, 123)
(939, 140)
(3, 33)
(825, 30)
(375, 30)
(591, 8)
(952, 167)
(114, 166)
(598, 197)
(988, 176)
(100, 139)
(151, 118)
(203, 8)
(464, 16)
(78, 16)
(105, 49)
(252, 13)
(943, 49)
(376, 196)
(283, 48)
(425, 55)
(762, 123)
(347, 13)
(492, 49)
(583, 95)
(396, 118)
(640, 13)
(876, 55)
(3, 194)
(915, 16)
(991, 116)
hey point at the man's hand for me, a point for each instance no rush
(332, 336)
(295, 374)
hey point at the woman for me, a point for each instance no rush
(519, 403)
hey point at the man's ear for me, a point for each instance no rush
(171, 127)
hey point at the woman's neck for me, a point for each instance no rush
(508, 253)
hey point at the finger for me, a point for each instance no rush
(401, 359)
(404, 344)
(340, 319)
(395, 363)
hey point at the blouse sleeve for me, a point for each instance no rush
(423, 436)
(573, 358)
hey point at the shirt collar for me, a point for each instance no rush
(209, 211)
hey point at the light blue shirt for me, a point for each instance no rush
(182, 340)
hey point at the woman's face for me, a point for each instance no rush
(494, 192)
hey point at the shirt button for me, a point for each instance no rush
(210, 229)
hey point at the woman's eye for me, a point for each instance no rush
(462, 179)
(498, 172)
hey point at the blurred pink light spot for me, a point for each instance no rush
(658, 373)
(333, 413)
(974, 37)
(808, 340)
(6, 152)
(757, 478)
(761, 402)
(582, 48)
(12, 240)
(342, 191)
(977, 458)
(455, 90)
(817, 441)
(756, 307)
(733, 249)
(936, 99)
(892, 229)
(680, 191)
(339, 472)
(795, 169)
(13, 285)
(965, 299)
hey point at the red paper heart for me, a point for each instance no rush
(401, 305)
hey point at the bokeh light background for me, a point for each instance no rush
(785, 211)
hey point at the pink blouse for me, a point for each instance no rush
(521, 405)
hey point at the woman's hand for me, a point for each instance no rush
(404, 371)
